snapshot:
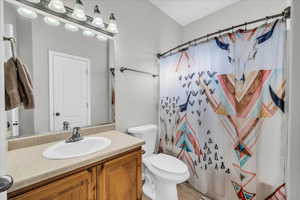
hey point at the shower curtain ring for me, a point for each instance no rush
(207, 36)
(267, 19)
(232, 29)
(246, 23)
(220, 33)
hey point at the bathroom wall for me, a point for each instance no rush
(9, 15)
(294, 108)
(144, 32)
(238, 13)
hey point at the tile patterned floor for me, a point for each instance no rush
(185, 192)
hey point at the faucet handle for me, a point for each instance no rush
(76, 130)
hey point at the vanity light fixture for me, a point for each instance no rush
(55, 12)
(34, 1)
(101, 37)
(51, 21)
(71, 27)
(78, 12)
(26, 12)
(88, 33)
(112, 26)
(57, 6)
(97, 21)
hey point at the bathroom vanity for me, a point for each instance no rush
(111, 174)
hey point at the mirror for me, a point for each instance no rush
(72, 83)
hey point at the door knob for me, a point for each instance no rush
(6, 182)
(57, 114)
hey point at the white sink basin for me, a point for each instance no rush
(88, 145)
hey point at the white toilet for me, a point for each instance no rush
(161, 172)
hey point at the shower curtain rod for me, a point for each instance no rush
(122, 69)
(286, 14)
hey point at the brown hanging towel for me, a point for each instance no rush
(18, 85)
(12, 95)
(25, 85)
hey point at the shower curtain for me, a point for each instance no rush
(222, 112)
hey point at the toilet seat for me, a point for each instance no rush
(168, 164)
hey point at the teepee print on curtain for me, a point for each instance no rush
(222, 111)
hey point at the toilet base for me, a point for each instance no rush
(164, 190)
(148, 190)
(148, 187)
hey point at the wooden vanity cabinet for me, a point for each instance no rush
(116, 179)
(120, 179)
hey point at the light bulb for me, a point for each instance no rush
(97, 21)
(34, 1)
(26, 12)
(71, 27)
(57, 6)
(112, 26)
(51, 21)
(78, 12)
(101, 37)
(88, 33)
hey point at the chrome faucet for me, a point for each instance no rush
(76, 136)
(66, 126)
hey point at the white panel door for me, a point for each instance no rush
(70, 90)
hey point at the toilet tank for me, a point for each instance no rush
(148, 133)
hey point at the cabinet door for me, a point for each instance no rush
(120, 179)
(75, 187)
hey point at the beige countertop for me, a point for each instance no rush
(27, 165)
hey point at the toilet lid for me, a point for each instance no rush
(168, 163)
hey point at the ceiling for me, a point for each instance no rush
(187, 11)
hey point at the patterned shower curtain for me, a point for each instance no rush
(222, 111)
